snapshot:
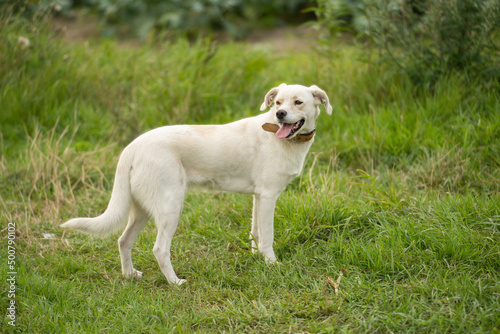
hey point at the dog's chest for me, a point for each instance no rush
(288, 157)
(282, 164)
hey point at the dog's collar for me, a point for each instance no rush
(303, 137)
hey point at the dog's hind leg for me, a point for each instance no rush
(166, 218)
(138, 218)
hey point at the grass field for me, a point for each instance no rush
(393, 226)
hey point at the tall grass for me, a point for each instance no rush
(392, 227)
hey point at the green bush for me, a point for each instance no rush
(430, 38)
(424, 38)
(338, 16)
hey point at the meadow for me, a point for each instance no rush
(393, 226)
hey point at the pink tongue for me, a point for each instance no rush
(284, 130)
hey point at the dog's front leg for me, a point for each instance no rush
(263, 224)
(254, 234)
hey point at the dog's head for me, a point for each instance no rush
(295, 108)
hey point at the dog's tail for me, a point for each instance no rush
(115, 216)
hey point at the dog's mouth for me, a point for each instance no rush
(287, 130)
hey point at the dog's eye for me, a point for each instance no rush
(298, 103)
(278, 103)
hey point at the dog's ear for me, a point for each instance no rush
(320, 97)
(268, 100)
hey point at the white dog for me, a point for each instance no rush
(258, 155)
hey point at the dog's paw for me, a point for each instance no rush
(178, 281)
(271, 258)
(133, 273)
(137, 274)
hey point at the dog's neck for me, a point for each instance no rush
(303, 137)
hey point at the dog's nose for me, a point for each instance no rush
(281, 114)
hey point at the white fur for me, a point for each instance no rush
(156, 169)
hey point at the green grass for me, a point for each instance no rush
(394, 225)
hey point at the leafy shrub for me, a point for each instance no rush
(429, 38)
(425, 38)
(336, 16)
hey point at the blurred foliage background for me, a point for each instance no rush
(425, 39)
(192, 17)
